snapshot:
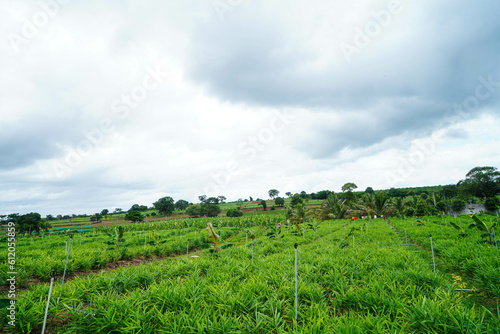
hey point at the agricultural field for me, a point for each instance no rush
(353, 276)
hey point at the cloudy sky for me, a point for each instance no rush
(107, 104)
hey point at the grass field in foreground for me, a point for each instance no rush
(373, 285)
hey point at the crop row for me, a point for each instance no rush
(350, 281)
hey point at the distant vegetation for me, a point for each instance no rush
(480, 185)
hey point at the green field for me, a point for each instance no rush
(375, 278)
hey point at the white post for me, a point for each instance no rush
(48, 302)
(252, 251)
(296, 304)
(406, 239)
(433, 261)
(494, 237)
(66, 265)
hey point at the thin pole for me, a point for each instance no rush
(495, 237)
(406, 239)
(296, 304)
(252, 251)
(433, 261)
(48, 302)
(66, 265)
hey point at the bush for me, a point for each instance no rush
(491, 204)
(234, 213)
(409, 212)
(458, 204)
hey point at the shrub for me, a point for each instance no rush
(234, 213)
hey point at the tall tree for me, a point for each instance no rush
(264, 205)
(273, 193)
(289, 194)
(134, 216)
(181, 204)
(96, 218)
(104, 213)
(165, 205)
(202, 198)
(221, 198)
(347, 190)
(482, 182)
(296, 199)
(210, 207)
(28, 222)
(279, 201)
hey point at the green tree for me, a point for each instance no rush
(194, 210)
(202, 198)
(491, 204)
(234, 213)
(323, 194)
(399, 205)
(349, 187)
(221, 198)
(165, 205)
(421, 209)
(210, 207)
(134, 216)
(441, 206)
(301, 213)
(369, 190)
(279, 201)
(96, 218)
(135, 207)
(482, 182)
(450, 190)
(264, 204)
(296, 199)
(347, 190)
(458, 204)
(181, 205)
(288, 194)
(105, 213)
(273, 193)
(28, 222)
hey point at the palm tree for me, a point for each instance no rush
(380, 204)
(300, 213)
(399, 205)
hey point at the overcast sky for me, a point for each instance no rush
(107, 104)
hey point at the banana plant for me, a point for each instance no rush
(275, 231)
(154, 237)
(487, 231)
(314, 227)
(213, 237)
(459, 228)
(117, 238)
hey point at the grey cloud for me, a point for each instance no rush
(256, 59)
(39, 137)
